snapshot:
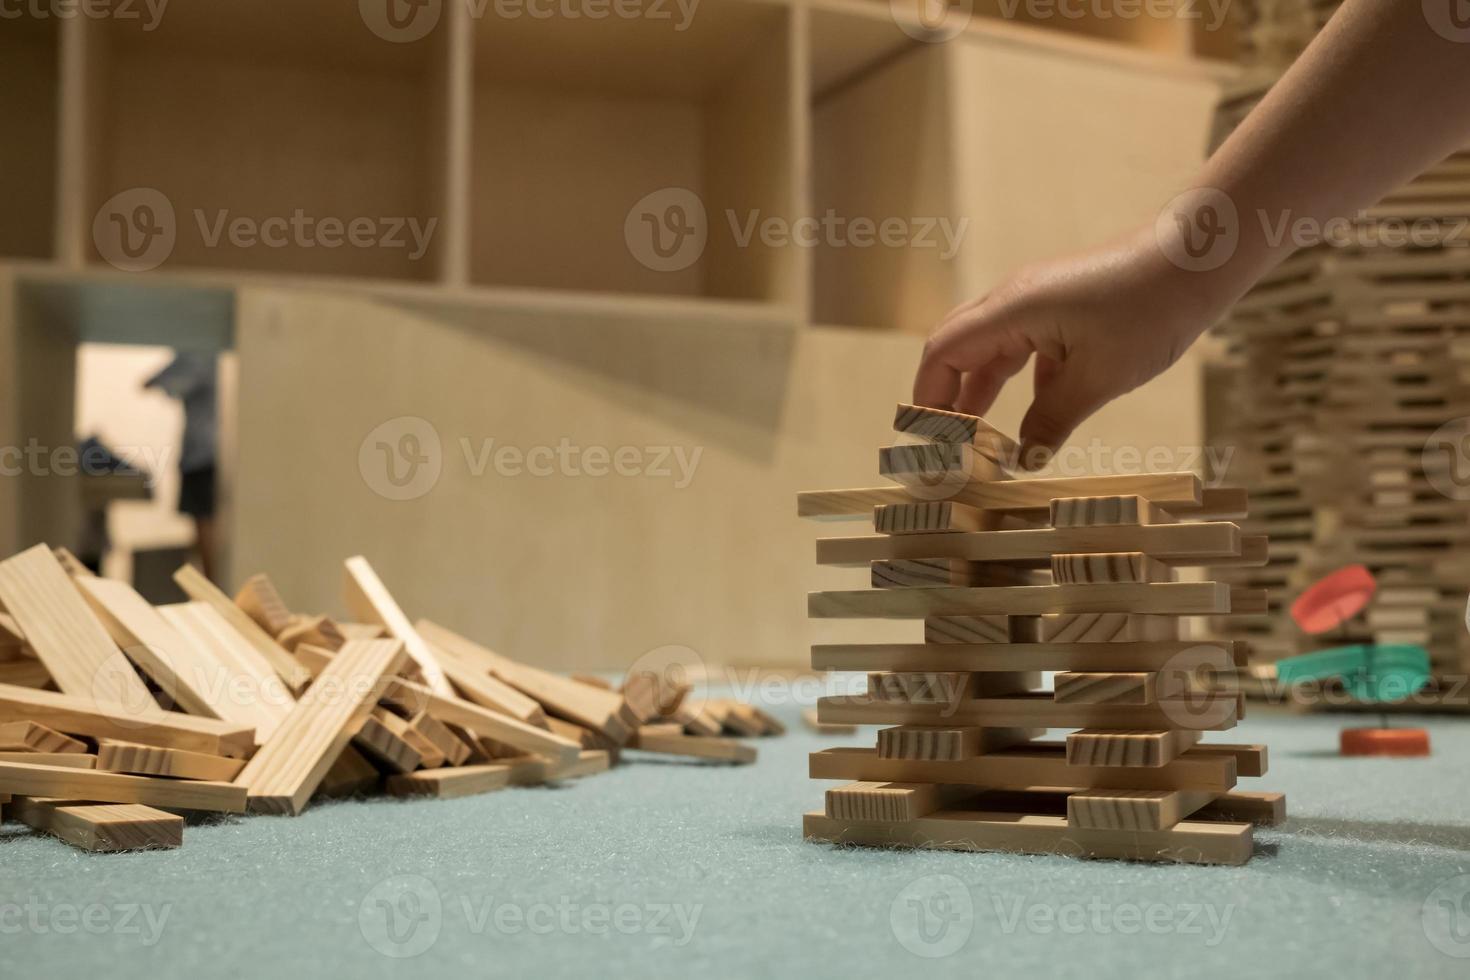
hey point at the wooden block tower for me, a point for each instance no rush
(1011, 578)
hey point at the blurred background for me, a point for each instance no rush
(549, 307)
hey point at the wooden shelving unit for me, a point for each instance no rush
(29, 79)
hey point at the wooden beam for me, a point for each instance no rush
(66, 760)
(466, 666)
(1079, 687)
(370, 600)
(1171, 490)
(1215, 712)
(1167, 598)
(1117, 566)
(239, 683)
(939, 744)
(934, 470)
(1098, 511)
(385, 746)
(483, 721)
(27, 736)
(19, 779)
(1130, 748)
(1128, 809)
(693, 746)
(1181, 655)
(84, 716)
(929, 518)
(1178, 544)
(151, 760)
(100, 827)
(201, 589)
(938, 425)
(259, 600)
(882, 801)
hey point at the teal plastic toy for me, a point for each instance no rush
(1371, 673)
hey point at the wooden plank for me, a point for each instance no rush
(1254, 552)
(20, 779)
(694, 746)
(1188, 842)
(938, 425)
(370, 599)
(386, 747)
(967, 629)
(291, 765)
(937, 744)
(1260, 809)
(259, 599)
(66, 760)
(1077, 687)
(1117, 566)
(25, 673)
(1127, 809)
(920, 687)
(238, 682)
(937, 470)
(1170, 598)
(1024, 767)
(454, 751)
(1178, 544)
(1250, 760)
(1171, 490)
(929, 517)
(318, 631)
(350, 775)
(466, 671)
(1112, 510)
(483, 721)
(151, 760)
(882, 801)
(1107, 627)
(463, 781)
(921, 572)
(809, 719)
(102, 828)
(1129, 748)
(429, 754)
(27, 736)
(75, 648)
(1182, 655)
(85, 716)
(201, 589)
(1214, 712)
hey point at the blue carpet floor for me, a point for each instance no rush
(671, 869)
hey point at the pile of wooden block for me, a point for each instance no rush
(114, 712)
(1011, 578)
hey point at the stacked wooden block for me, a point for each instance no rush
(1011, 578)
(1344, 401)
(114, 713)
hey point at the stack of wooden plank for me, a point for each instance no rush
(1011, 578)
(116, 714)
(1345, 402)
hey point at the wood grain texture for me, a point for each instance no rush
(1077, 687)
(1107, 627)
(84, 716)
(102, 828)
(259, 599)
(317, 631)
(1258, 808)
(1095, 511)
(1182, 655)
(66, 760)
(920, 687)
(467, 666)
(1170, 598)
(1141, 809)
(1181, 490)
(483, 721)
(1201, 713)
(28, 736)
(369, 599)
(1147, 748)
(76, 649)
(23, 672)
(939, 744)
(882, 801)
(463, 781)
(937, 469)
(290, 766)
(436, 732)
(201, 589)
(1250, 760)
(693, 746)
(993, 628)
(1117, 566)
(929, 517)
(152, 760)
(1177, 544)
(238, 683)
(938, 425)
(19, 779)
(385, 747)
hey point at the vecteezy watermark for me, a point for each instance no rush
(406, 21)
(667, 230)
(403, 458)
(148, 12)
(1210, 13)
(933, 916)
(1198, 230)
(401, 916)
(1100, 918)
(1445, 459)
(1450, 19)
(37, 459)
(137, 229)
(1446, 917)
(37, 918)
(933, 21)
(664, 680)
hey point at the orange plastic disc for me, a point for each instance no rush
(1384, 741)
(1333, 600)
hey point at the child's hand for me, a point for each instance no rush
(1100, 324)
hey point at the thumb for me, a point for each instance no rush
(1062, 401)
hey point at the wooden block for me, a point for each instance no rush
(928, 572)
(85, 716)
(1254, 552)
(75, 648)
(361, 631)
(1034, 764)
(1215, 712)
(454, 783)
(66, 760)
(1170, 598)
(1249, 602)
(479, 749)
(1123, 809)
(937, 470)
(1178, 544)
(882, 801)
(1128, 748)
(967, 629)
(1101, 627)
(370, 599)
(733, 719)
(20, 779)
(11, 634)
(151, 760)
(1072, 687)
(454, 751)
(238, 683)
(483, 721)
(27, 736)
(201, 589)
(1250, 760)
(920, 687)
(592, 681)
(1189, 842)
(259, 600)
(466, 668)
(1095, 511)
(1186, 656)
(700, 747)
(25, 673)
(1171, 490)
(929, 517)
(1118, 566)
(941, 744)
(809, 719)
(101, 827)
(1260, 809)
(938, 425)
(321, 632)
(381, 744)
(291, 765)
(697, 721)
(189, 676)
(350, 775)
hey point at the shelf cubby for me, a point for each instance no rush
(29, 83)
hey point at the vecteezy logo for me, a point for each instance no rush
(135, 230)
(1198, 230)
(1450, 19)
(1446, 459)
(932, 20)
(667, 230)
(1446, 917)
(402, 458)
(665, 678)
(933, 916)
(400, 21)
(401, 916)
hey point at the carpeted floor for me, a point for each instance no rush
(665, 868)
